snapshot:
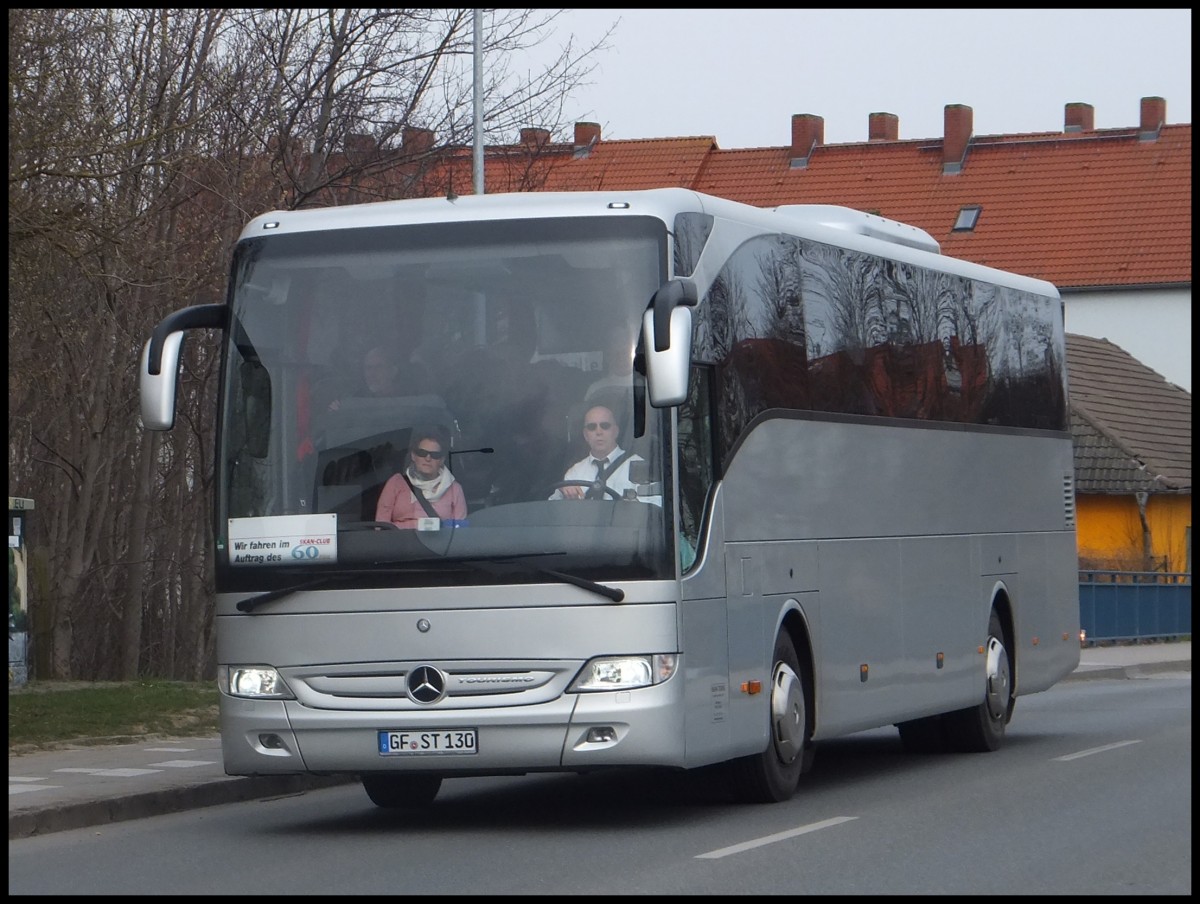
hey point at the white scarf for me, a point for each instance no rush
(433, 487)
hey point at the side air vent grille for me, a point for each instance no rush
(1069, 499)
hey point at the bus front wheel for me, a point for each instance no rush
(772, 776)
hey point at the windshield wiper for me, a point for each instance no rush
(252, 602)
(509, 563)
(613, 593)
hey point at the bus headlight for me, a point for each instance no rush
(620, 673)
(253, 681)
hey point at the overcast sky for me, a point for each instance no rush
(739, 75)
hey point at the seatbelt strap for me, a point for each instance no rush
(420, 497)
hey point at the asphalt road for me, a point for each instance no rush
(1091, 794)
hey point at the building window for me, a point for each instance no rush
(967, 218)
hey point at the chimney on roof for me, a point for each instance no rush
(415, 141)
(883, 127)
(959, 123)
(1079, 118)
(535, 138)
(808, 132)
(586, 134)
(1154, 116)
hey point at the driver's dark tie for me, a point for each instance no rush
(596, 492)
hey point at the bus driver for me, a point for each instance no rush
(605, 465)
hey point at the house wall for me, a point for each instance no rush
(1153, 325)
(1109, 532)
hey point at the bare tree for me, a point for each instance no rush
(140, 141)
(345, 92)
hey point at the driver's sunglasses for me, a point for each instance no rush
(429, 453)
(602, 425)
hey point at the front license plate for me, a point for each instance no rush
(446, 741)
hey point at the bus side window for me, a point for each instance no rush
(697, 469)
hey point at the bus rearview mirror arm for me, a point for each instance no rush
(201, 315)
(670, 296)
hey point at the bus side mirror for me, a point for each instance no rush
(160, 361)
(158, 388)
(667, 342)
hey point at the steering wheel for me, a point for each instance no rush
(585, 483)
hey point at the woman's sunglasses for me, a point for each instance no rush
(429, 453)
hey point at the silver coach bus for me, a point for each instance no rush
(850, 502)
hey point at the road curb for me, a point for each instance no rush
(232, 789)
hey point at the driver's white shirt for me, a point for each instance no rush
(585, 469)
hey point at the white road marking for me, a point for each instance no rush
(1106, 747)
(21, 789)
(185, 764)
(168, 749)
(112, 773)
(771, 839)
(25, 778)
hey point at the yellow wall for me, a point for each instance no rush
(1109, 532)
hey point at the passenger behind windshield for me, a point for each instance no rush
(424, 494)
(380, 378)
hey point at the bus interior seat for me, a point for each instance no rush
(351, 478)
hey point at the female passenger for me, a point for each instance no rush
(424, 488)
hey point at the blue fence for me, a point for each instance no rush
(1134, 605)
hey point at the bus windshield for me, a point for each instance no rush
(403, 403)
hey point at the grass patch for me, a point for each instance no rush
(47, 714)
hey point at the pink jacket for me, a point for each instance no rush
(398, 504)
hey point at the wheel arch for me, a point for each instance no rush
(794, 622)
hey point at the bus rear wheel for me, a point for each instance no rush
(772, 776)
(401, 791)
(980, 728)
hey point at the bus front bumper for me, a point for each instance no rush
(575, 732)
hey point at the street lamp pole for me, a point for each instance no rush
(477, 155)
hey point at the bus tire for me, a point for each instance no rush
(401, 791)
(772, 776)
(980, 728)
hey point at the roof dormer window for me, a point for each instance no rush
(968, 216)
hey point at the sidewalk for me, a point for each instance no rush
(1133, 660)
(70, 789)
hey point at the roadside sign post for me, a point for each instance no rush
(18, 592)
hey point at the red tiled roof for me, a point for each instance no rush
(636, 164)
(620, 165)
(1081, 209)
(1077, 211)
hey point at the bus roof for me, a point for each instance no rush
(830, 224)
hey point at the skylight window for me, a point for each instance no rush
(967, 218)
